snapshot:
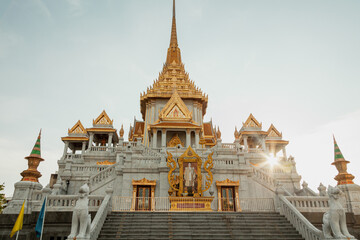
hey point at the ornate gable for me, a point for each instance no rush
(103, 119)
(175, 110)
(252, 122)
(273, 132)
(78, 128)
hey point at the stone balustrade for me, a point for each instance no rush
(225, 162)
(102, 149)
(309, 203)
(264, 178)
(304, 227)
(100, 216)
(90, 169)
(228, 145)
(73, 156)
(162, 204)
(102, 177)
(67, 202)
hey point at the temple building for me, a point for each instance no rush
(174, 161)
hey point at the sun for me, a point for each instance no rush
(272, 160)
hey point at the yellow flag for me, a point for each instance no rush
(19, 221)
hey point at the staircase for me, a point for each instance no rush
(197, 225)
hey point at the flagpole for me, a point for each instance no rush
(42, 228)
(17, 235)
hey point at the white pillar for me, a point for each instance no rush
(246, 143)
(154, 138)
(110, 139)
(263, 144)
(163, 138)
(197, 138)
(83, 147)
(91, 140)
(187, 137)
(284, 152)
(65, 148)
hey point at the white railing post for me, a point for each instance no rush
(305, 228)
(101, 214)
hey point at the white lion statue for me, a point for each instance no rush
(81, 219)
(334, 220)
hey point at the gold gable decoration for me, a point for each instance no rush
(78, 128)
(106, 162)
(175, 140)
(252, 122)
(103, 119)
(273, 132)
(175, 110)
(144, 181)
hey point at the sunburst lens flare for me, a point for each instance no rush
(272, 160)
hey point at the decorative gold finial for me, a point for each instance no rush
(34, 159)
(340, 163)
(218, 133)
(122, 131)
(236, 133)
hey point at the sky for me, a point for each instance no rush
(294, 64)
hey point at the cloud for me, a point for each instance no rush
(44, 9)
(76, 7)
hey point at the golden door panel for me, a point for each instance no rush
(143, 198)
(228, 199)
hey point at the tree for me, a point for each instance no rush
(2, 197)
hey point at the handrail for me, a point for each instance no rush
(100, 216)
(104, 174)
(305, 228)
(264, 178)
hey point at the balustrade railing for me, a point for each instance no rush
(310, 203)
(73, 156)
(264, 177)
(100, 216)
(102, 149)
(304, 227)
(92, 169)
(228, 145)
(162, 204)
(102, 176)
(67, 202)
(218, 162)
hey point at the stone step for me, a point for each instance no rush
(201, 226)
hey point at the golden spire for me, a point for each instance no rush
(173, 54)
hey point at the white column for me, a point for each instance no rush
(187, 137)
(246, 143)
(163, 138)
(83, 147)
(284, 152)
(65, 148)
(263, 144)
(91, 140)
(154, 138)
(110, 139)
(197, 138)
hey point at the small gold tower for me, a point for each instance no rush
(340, 163)
(32, 174)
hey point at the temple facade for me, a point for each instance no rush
(172, 160)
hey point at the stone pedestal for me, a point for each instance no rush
(23, 191)
(352, 195)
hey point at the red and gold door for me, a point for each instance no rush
(143, 198)
(228, 199)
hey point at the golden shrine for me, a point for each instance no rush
(187, 186)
